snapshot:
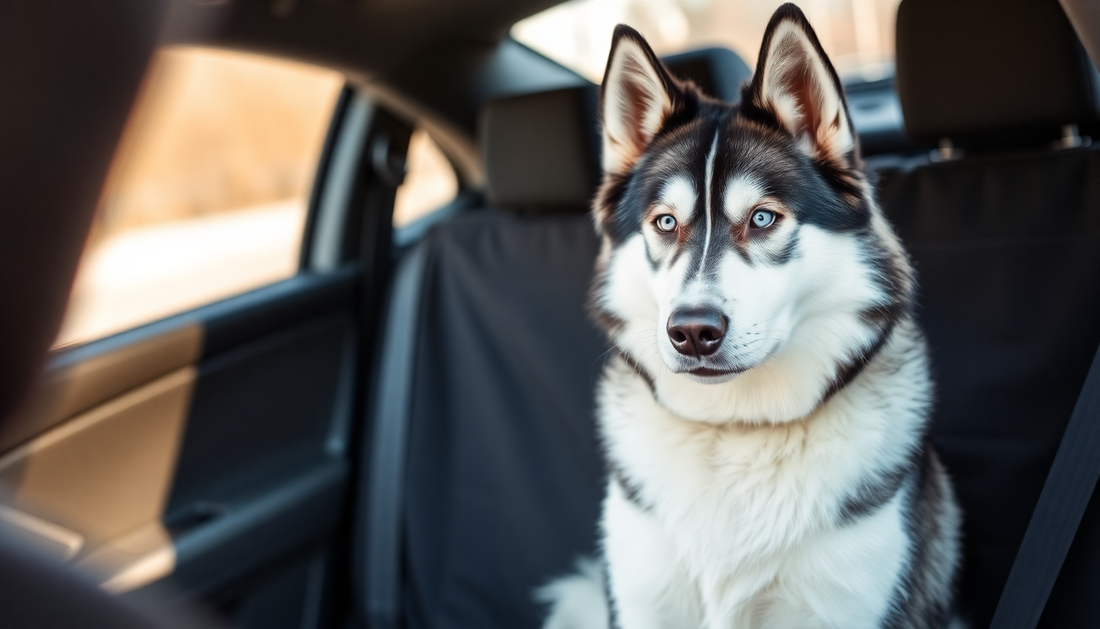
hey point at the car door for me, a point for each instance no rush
(199, 444)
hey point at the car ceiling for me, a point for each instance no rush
(367, 36)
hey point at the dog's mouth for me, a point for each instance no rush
(707, 372)
(718, 368)
(713, 375)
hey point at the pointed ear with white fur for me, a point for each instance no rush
(636, 97)
(796, 83)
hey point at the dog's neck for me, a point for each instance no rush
(794, 384)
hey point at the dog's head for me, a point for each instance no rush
(745, 267)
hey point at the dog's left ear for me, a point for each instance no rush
(796, 85)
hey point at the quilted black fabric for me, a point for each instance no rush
(504, 475)
(1007, 250)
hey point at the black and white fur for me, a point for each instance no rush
(784, 480)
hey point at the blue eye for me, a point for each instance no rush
(762, 219)
(666, 223)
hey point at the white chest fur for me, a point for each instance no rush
(746, 515)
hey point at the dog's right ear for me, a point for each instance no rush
(636, 97)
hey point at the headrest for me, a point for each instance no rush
(978, 67)
(719, 72)
(540, 150)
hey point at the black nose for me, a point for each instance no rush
(696, 331)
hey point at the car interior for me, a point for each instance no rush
(402, 433)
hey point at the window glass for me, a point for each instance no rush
(430, 181)
(858, 35)
(208, 192)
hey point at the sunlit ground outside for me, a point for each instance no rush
(207, 196)
(147, 273)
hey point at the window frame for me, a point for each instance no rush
(321, 172)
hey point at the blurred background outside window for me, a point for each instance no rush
(208, 193)
(858, 35)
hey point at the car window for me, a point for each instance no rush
(430, 181)
(858, 35)
(208, 191)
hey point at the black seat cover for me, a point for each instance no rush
(1007, 251)
(504, 477)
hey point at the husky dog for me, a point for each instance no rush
(765, 416)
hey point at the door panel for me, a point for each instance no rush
(209, 447)
(276, 404)
(206, 455)
(81, 378)
(263, 466)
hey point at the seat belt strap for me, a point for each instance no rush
(393, 401)
(1062, 503)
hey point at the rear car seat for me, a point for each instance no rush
(1006, 242)
(503, 481)
(503, 475)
